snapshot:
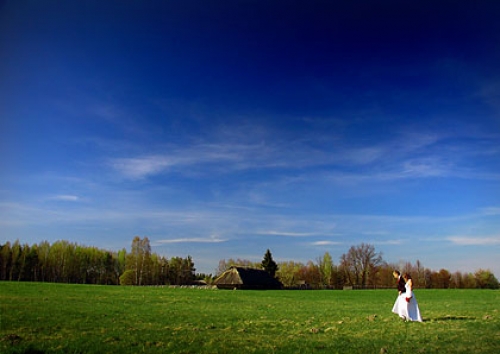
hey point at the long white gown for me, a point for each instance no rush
(407, 310)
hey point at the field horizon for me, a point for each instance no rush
(69, 318)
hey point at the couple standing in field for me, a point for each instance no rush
(406, 305)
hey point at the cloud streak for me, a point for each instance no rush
(326, 243)
(475, 241)
(287, 234)
(141, 167)
(65, 198)
(408, 155)
(192, 240)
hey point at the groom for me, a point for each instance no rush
(401, 282)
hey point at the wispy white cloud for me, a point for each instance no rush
(408, 155)
(65, 198)
(175, 157)
(363, 155)
(192, 240)
(376, 233)
(326, 243)
(139, 167)
(287, 234)
(474, 241)
(389, 242)
(242, 147)
(224, 158)
(491, 211)
(425, 167)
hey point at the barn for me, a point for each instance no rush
(247, 278)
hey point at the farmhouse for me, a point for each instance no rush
(247, 278)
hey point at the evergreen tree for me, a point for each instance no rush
(269, 264)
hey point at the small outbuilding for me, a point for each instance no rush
(247, 278)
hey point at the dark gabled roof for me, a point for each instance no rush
(247, 278)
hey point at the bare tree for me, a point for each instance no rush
(360, 264)
(226, 264)
(420, 273)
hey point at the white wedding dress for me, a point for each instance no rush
(408, 311)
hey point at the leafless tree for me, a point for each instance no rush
(360, 264)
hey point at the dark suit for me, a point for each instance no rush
(401, 285)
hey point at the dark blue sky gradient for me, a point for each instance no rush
(215, 126)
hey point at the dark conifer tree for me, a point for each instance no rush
(269, 264)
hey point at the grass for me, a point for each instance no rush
(58, 318)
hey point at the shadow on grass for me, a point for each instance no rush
(452, 318)
(16, 346)
(28, 350)
(33, 351)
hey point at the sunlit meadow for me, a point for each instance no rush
(58, 318)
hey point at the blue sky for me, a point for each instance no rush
(222, 128)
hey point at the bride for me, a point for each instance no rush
(406, 305)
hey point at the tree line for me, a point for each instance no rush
(360, 267)
(363, 267)
(67, 262)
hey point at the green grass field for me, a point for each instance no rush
(57, 318)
